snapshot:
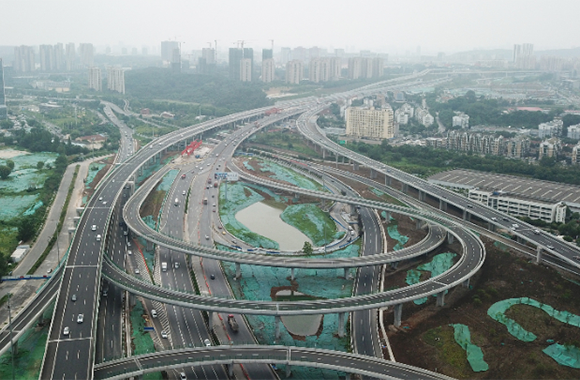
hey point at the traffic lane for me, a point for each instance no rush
(73, 358)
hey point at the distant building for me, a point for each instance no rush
(176, 60)
(518, 147)
(70, 57)
(116, 79)
(550, 129)
(365, 67)
(51, 57)
(95, 80)
(524, 56)
(87, 53)
(236, 55)
(575, 155)
(549, 148)
(24, 59)
(167, 48)
(424, 117)
(574, 132)
(246, 65)
(461, 120)
(370, 123)
(294, 72)
(3, 108)
(268, 70)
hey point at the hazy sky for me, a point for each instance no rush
(379, 25)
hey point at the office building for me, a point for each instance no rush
(167, 48)
(520, 207)
(3, 109)
(294, 71)
(87, 55)
(236, 55)
(24, 59)
(95, 80)
(116, 79)
(370, 123)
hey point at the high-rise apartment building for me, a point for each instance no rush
(3, 110)
(319, 70)
(524, 56)
(370, 123)
(116, 79)
(268, 70)
(285, 55)
(95, 80)
(176, 60)
(267, 54)
(209, 55)
(246, 69)
(355, 67)
(236, 55)
(335, 68)
(294, 71)
(70, 57)
(87, 55)
(167, 49)
(24, 59)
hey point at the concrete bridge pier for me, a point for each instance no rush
(336, 160)
(292, 277)
(465, 283)
(131, 185)
(296, 196)
(466, 215)
(150, 245)
(373, 174)
(388, 217)
(442, 205)
(288, 370)
(230, 370)
(395, 265)
(352, 210)
(387, 181)
(520, 240)
(76, 220)
(404, 188)
(491, 226)
(341, 318)
(418, 224)
(71, 232)
(343, 159)
(354, 166)
(323, 154)
(347, 274)
(421, 195)
(210, 320)
(80, 210)
(441, 299)
(277, 326)
(450, 238)
(398, 313)
(538, 255)
(238, 271)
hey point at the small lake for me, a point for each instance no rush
(265, 220)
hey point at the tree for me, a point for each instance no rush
(40, 165)
(26, 228)
(307, 248)
(6, 124)
(10, 164)
(4, 171)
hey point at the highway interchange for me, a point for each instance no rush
(72, 355)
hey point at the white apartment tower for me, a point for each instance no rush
(268, 67)
(116, 79)
(246, 69)
(370, 123)
(294, 71)
(95, 81)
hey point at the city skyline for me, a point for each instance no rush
(413, 27)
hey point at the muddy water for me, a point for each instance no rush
(265, 220)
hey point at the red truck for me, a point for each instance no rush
(215, 184)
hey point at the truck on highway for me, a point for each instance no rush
(204, 201)
(215, 184)
(164, 266)
(233, 323)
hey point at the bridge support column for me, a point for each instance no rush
(373, 174)
(343, 159)
(520, 240)
(387, 181)
(347, 273)
(442, 205)
(352, 210)
(231, 370)
(465, 283)
(398, 313)
(395, 265)
(336, 160)
(210, 320)
(388, 217)
(404, 188)
(466, 215)
(538, 254)
(76, 220)
(354, 166)
(418, 224)
(292, 274)
(296, 196)
(323, 154)
(341, 317)
(150, 245)
(71, 232)
(80, 210)
(450, 238)
(491, 226)
(238, 271)
(288, 370)
(421, 195)
(277, 326)
(441, 299)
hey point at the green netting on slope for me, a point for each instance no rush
(263, 189)
(312, 222)
(393, 232)
(11, 207)
(440, 264)
(167, 180)
(148, 255)
(141, 339)
(377, 192)
(474, 353)
(568, 356)
(248, 166)
(94, 168)
(22, 179)
(240, 197)
(33, 209)
(498, 309)
(501, 246)
(288, 175)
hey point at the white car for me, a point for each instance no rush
(137, 271)
(206, 237)
(66, 331)
(94, 227)
(163, 334)
(80, 318)
(207, 342)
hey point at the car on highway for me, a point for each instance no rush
(129, 252)
(100, 198)
(94, 227)
(74, 298)
(164, 335)
(550, 247)
(207, 342)
(153, 313)
(206, 237)
(137, 271)
(80, 318)
(66, 331)
(182, 376)
(183, 192)
(98, 237)
(212, 276)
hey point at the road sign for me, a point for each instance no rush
(230, 176)
(148, 328)
(342, 142)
